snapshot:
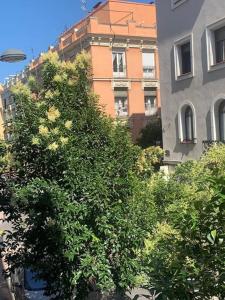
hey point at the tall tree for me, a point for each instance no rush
(73, 190)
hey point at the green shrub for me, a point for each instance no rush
(185, 253)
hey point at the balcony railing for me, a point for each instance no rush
(120, 74)
(151, 111)
(122, 111)
(149, 72)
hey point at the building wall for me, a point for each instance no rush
(191, 17)
(102, 69)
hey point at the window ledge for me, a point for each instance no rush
(185, 76)
(217, 66)
(194, 141)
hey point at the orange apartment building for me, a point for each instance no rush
(121, 39)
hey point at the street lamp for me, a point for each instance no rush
(12, 55)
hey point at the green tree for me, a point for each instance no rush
(185, 253)
(74, 200)
(149, 161)
(151, 134)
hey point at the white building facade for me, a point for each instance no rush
(191, 40)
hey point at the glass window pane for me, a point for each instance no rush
(120, 59)
(118, 62)
(185, 51)
(150, 102)
(148, 59)
(222, 121)
(115, 69)
(188, 124)
(220, 34)
(220, 49)
(121, 106)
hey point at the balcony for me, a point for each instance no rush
(149, 72)
(122, 112)
(151, 111)
(120, 73)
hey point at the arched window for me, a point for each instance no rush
(222, 121)
(189, 128)
(187, 123)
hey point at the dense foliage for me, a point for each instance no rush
(77, 208)
(185, 253)
(90, 211)
(151, 134)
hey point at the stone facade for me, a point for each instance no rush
(198, 25)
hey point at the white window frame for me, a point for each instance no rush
(214, 116)
(118, 95)
(175, 4)
(151, 74)
(119, 74)
(181, 123)
(177, 57)
(210, 45)
(153, 109)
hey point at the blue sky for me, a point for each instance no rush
(36, 24)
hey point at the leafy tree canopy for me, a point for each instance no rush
(77, 208)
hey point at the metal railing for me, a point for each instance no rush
(149, 72)
(120, 74)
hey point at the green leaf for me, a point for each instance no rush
(213, 234)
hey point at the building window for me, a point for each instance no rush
(215, 37)
(185, 52)
(119, 68)
(175, 3)
(187, 124)
(148, 61)
(150, 101)
(222, 121)
(183, 58)
(220, 45)
(121, 102)
(189, 128)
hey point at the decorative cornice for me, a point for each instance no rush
(121, 83)
(152, 83)
(122, 42)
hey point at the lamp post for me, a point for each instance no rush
(12, 55)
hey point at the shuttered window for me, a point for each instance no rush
(148, 61)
